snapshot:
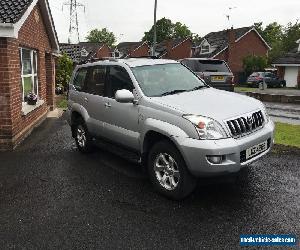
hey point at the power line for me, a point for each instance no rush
(73, 26)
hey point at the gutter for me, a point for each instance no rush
(7, 25)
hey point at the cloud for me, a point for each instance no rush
(133, 17)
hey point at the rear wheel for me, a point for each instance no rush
(82, 137)
(168, 172)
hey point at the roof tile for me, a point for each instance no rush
(11, 11)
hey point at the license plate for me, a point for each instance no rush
(217, 78)
(256, 150)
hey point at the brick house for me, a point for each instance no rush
(131, 49)
(232, 46)
(28, 43)
(85, 51)
(289, 67)
(174, 48)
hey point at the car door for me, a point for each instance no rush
(120, 119)
(94, 99)
(275, 80)
(77, 88)
(266, 78)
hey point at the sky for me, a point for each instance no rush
(129, 19)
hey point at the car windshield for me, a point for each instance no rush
(166, 79)
(210, 66)
(255, 74)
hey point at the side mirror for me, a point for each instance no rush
(124, 96)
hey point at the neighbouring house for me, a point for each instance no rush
(85, 51)
(233, 46)
(131, 49)
(28, 47)
(175, 49)
(289, 67)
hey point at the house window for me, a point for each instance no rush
(29, 72)
(204, 49)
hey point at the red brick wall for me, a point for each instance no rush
(104, 51)
(280, 72)
(250, 44)
(141, 51)
(183, 50)
(13, 124)
(5, 93)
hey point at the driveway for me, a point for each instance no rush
(53, 197)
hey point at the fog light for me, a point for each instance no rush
(215, 159)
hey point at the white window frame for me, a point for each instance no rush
(33, 73)
(206, 50)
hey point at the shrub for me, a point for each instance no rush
(253, 63)
(64, 71)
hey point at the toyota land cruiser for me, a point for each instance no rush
(164, 115)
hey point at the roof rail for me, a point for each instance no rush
(148, 57)
(91, 60)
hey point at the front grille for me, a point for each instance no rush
(246, 124)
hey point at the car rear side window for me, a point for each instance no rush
(96, 80)
(210, 66)
(118, 79)
(189, 64)
(79, 79)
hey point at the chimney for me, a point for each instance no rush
(231, 45)
(169, 45)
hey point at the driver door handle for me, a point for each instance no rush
(107, 105)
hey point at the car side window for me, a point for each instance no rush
(96, 80)
(79, 79)
(189, 64)
(118, 79)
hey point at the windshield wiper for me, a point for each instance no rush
(198, 87)
(174, 92)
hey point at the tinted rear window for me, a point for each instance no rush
(208, 66)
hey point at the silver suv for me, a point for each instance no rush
(164, 116)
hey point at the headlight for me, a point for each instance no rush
(265, 112)
(208, 129)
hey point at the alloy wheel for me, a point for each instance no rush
(166, 171)
(81, 136)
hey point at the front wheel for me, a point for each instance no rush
(82, 137)
(168, 172)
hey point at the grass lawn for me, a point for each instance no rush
(62, 102)
(287, 134)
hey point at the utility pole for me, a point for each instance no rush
(154, 30)
(73, 26)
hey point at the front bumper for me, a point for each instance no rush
(195, 152)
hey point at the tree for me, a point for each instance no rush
(64, 71)
(290, 36)
(101, 36)
(281, 39)
(165, 29)
(196, 38)
(181, 30)
(254, 63)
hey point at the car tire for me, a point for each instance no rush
(83, 138)
(168, 172)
